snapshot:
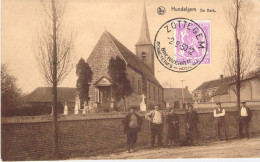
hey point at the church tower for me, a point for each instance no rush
(144, 47)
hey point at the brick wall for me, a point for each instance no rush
(31, 139)
(228, 105)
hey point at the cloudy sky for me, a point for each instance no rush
(22, 20)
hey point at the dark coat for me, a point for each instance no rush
(173, 126)
(126, 121)
(192, 118)
(248, 112)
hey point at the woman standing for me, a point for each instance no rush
(173, 127)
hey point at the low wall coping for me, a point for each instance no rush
(93, 116)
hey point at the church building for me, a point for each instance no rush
(140, 71)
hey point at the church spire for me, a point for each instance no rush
(144, 37)
(144, 47)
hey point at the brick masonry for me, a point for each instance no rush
(90, 135)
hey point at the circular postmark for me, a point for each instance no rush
(180, 45)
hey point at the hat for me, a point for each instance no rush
(218, 103)
(190, 104)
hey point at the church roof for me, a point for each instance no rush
(144, 33)
(133, 60)
(44, 94)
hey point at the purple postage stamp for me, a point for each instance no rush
(185, 36)
(182, 44)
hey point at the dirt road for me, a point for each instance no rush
(239, 148)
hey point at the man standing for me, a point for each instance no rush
(219, 115)
(132, 125)
(191, 124)
(156, 119)
(244, 118)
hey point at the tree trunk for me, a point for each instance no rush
(238, 57)
(54, 92)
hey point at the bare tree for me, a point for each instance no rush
(240, 49)
(258, 55)
(54, 54)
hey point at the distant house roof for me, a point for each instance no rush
(214, 83)
(223, 89)
(44, 94)
(176, 93)
(134, 61)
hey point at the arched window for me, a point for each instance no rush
(159, 94)
(154, 93)
(139, 86)
(143, 56)
(133, 84)
(149, 90)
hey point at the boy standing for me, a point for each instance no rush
(219, 115)
(244, 118)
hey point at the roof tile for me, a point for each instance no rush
(170, 93)
(214, 83)
(134, 61)
(44, 94)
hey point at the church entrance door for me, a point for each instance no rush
(105, 96)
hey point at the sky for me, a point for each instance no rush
(22, 20)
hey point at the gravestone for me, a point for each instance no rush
(65, 109)
(142, 104)
(76, 109)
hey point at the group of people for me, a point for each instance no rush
(243, 121)
(133, 123)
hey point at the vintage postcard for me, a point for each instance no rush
(139, 79)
